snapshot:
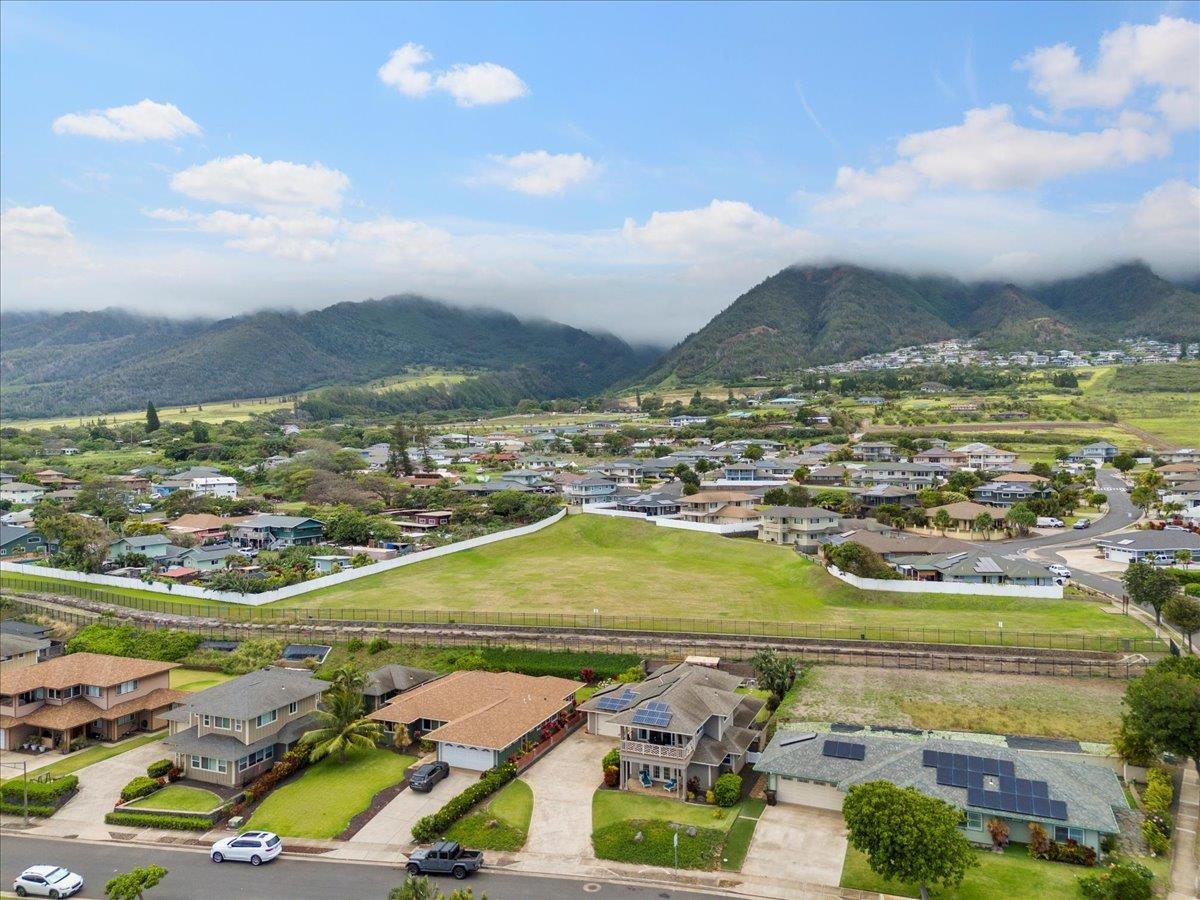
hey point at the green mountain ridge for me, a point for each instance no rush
(818, 315)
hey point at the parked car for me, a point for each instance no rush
(445, 858)
(1060, 571)
(1049, 522)
(254, 847)
(1174, 528)
(47, 881)
(428, 775)
(1081, 524)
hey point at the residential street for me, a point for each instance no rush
(193, 875)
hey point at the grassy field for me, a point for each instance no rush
(620, 566)
(102, 593)
(1171, 415)
(196, 679)
(323, 800)
(178, 798)
(510, 809)
(1080, 708)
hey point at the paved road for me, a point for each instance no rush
(192, 875)
(1121, 514)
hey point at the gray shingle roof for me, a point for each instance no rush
(255, 693)
(390, 678)
(221, 746)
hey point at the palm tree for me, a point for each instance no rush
(347, 677)
(342, 726)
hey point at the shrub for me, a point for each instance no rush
(160, 768)
(159, 820)
(587, 674)
(709, 796)
(998, 829)
(728, 790)
(1039, 841)
(355, 644)
(612, 776)
(1160, 791)
(126, 640)
(1156, 839)
(142, 786)
(631, 675)
(40, 792)
(40, 810)
(1110, 843)
(1123, 880)
(378, 645)
(612, 759)
(435, 825)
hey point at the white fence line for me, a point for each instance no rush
(291, 590)
(905, 586)
(596, 509)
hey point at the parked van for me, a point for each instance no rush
(1049, 522)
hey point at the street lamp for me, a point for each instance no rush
(24, 787)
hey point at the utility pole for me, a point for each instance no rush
(25, 787)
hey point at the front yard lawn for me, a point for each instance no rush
(321, 802)
(618, 816)
(609, 806)
(178, 798)
(510, 809)
(81, 759)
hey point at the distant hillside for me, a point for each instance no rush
(805, 316)
(95, 362)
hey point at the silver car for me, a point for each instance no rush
(47, 881)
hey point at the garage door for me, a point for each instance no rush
(460, 757)
(822, 796)
(603, 725)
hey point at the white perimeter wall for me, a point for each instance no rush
(671, 522)
(904, 586)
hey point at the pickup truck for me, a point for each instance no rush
(445, 858)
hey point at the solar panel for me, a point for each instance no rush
(1058, 809)
(844, 750)
(615, 703)
(929, 758)
(1041, 789)
(656, 715)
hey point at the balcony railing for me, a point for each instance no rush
(663, 751)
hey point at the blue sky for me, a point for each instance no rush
(619, 166)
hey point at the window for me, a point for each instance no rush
(125, 720)
(126, 687)
(255, 758)
(237, 724)
(91, 690)
(222, 722)
(267, 718)
(1066, 833)
(974, 821)
(207, 719)
(292, 707)
(208, 764)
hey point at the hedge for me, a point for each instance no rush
(1186, 576)
(142, 786)
(41, 792)
(159, 820)
(435, 825)
(40, 811)
(159, 768)
(126, 640)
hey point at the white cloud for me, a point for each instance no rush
(1171, 210)
(539, 173)
(143, 121)
(248, 181)
(1164, 56)
(35, 231)
(722, 227)
(477, 84)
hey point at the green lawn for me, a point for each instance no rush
(609, 806)
(178, 798)
(73, 762)
(510, 809)
(323, 800)
(106, 594)
(196, 679)
(618, 816)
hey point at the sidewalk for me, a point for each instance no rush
(1185, 852)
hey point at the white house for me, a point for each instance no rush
(985, 457)
(18, 492)
(681, 421)
(215, 486)
(1149, 546)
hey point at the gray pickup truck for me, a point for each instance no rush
(445, 858)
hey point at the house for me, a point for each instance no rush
(915, 476)
(622, 471)
(684, 421)
(964, 513)
(1007, 491)
(495, 486)
(180, 574)
(214, 486)
(1100, 451)
(973, 567)
(526, 477)
(890, 544)
(1071, 799)
(432, 518)
(19, 651)
(327, 563)
(152, 546)
(53, 477)
(137, 484)
(18, 541)
(719, 508)
(590, 490)
(204, 527)
(765, 471)
(835, 474)
(480, 719)
(387, 682)
(6, 477)
(1187, 495)
(823, 449)
(1149, 546)
(35, 632)
(875, 451)
(941, 456)
(208, 557)
(232, 733)
(983, 457)
(19, 493)
(273, 532)
(683, 724)
(1183, 455)
(884, 494)
(802, 527)
(84, 695)
(657, 503)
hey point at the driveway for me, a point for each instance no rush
(100, 786)
(563, 782)
(798, 844)
(393, 824)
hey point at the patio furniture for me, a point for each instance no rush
(644, 777)
(669, 786)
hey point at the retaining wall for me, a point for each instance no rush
(904, 586)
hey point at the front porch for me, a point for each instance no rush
(654, 777)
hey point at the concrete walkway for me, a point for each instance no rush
(1185, 855)
(100, 789)
(563, 783)
(392, 825)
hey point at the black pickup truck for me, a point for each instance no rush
(445, 858)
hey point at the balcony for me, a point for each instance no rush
(661, 751)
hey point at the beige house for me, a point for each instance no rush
(19, 652)
(962, 515)
(233, 732)
(84, 695)
(806, 527)
(719, 508)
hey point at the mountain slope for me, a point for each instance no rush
(805, 316)
(90, 363)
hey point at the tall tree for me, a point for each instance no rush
(984, 524)
(907, 836)
(1021, 518)
(1162, 707)
(399, 462)
(342, 726)
(1183, 612)
(942, 520)
(421, 439)
(152, 423)
(1150, 586)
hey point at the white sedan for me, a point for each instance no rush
(47, 881)
(254, 847)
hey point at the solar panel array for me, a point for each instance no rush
(992, 784)
(844, 750)
(653, 713)
(614, 703)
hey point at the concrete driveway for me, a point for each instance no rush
(798, 844)
(563, 782)
(393, 824)
(100, 787)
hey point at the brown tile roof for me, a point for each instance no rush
(80, 712)
(739, 512)
(83, 668)
(204, 522)
(482, 709)
(965, 510)
(718, 496)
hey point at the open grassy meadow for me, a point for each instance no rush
(1171, 414)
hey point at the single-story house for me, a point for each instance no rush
(19, 651)
(387, 682)
(1149, 546)
(208, 557)
(964, 513)
(152, 546)
(973, 567)
(480, 719)
(18, 541)
(1071, 799)
(890, 544)
(656, 503)
(326, 562)
(19, 493)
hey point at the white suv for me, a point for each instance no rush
(254, 847)
(47, 881)
(1060, 571)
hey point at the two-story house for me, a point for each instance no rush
(233, 732)
(1099, 451)
(84, 695)
(1003, 492)
(719, 508)
(273, 532)
(151, 546)
(803, 527)
(590, 490)
(986, 458)
(876, 451)
(764, 471)
(214, 486)
(915, 476)
(683, 722)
